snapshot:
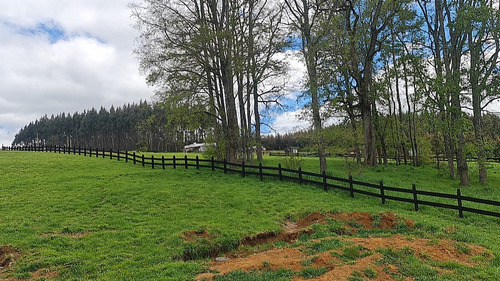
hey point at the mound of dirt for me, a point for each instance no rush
(292, 230)
(190, 236)
(297, 259)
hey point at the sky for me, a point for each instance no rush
(66, 56)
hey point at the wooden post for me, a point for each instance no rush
(152, 161)
(260, 170)
(163, 162)
(90, 151)
(118, 154)
(459, 199)
(142, 160)
(103, 152)
(351, 187)
(79, 150)
(185, 161)
(280, 172)
(126, 156)
(173, 161)
(213, 164)
(59, 149)
(382, 192)
(325, 186)
(415, 201)
(300, 175)
(133, 156)
(243, 168)
(225, 168)
(110, 154)
(197, 162)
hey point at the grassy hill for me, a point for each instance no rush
(71, 217)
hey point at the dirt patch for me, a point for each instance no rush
(41, 273)
(442, 250)
(8, 257)
(193, 235)
(297, 259)
(292, 230)
(74, 235)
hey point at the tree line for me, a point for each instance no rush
(143, 126)
(382, 65)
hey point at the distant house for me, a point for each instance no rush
(196, 147)
(292, 149)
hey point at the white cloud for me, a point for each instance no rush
(291, 121)
(65, 56)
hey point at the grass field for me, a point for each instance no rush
(97, 219)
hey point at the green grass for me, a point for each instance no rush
(101, 219)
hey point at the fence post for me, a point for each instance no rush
(300, 175)
(382, 192)
(243, 168)
(152, 161)
(163, 162)
(133, 156)
(213, 164)
(325, 186)
(185, 161)
(173, 161)
(103, 152)
(90, 151)
(260, 170)
(197, 162)
(59, 149)
(142, 159)
(459, 198)
(110, 154)
(118, 154)
(225, 169)
(415, 201)
(280, 172)
(79, 150)
(351, 187)
(126, 156)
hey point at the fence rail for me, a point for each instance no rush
(413, 196)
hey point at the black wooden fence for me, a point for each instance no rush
(413, 196)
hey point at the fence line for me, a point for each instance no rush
(322, 180)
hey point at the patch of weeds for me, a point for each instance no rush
(433, 241)
(278, 275)
(266, 264)
(376, 220)
(408, 264)
(308, 261)
(462, 248)
(68, 230)
(354, 223)
(424, 256)
(312, 248)
(338, 227)
(352, 253)
(356, 276)
(311, 272)
(402, 227)
(369, 272)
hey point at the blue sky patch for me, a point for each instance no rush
(53, 31)
(50, 29)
